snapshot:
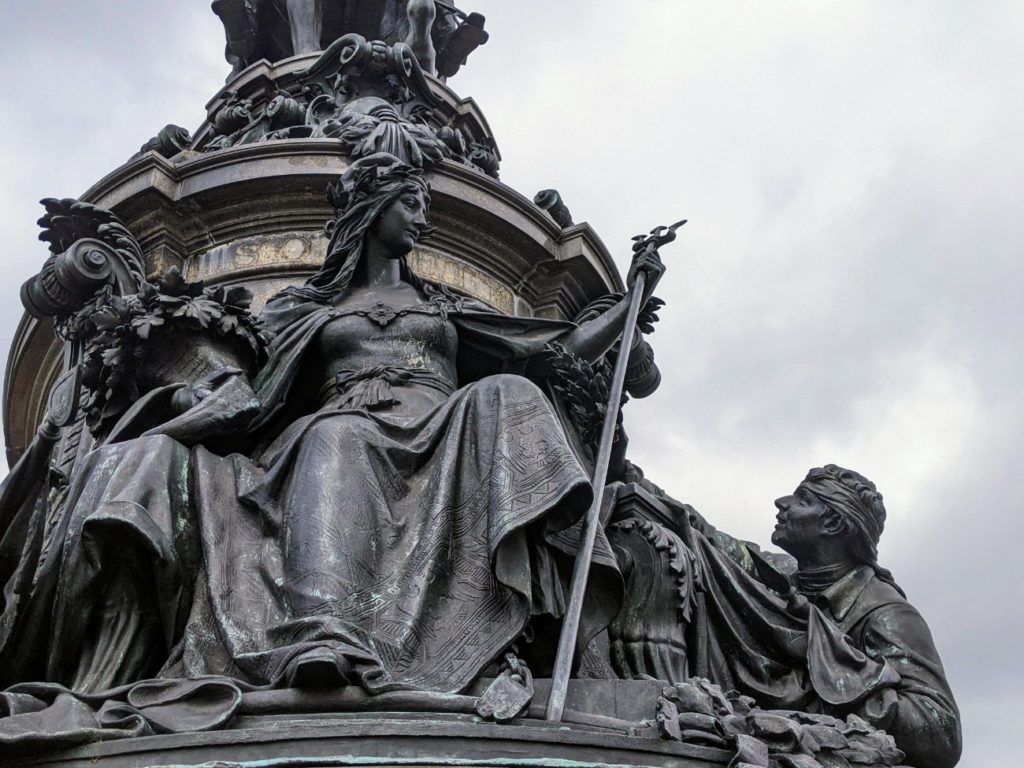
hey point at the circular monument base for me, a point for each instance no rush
(392, 739)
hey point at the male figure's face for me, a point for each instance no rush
(800, 520)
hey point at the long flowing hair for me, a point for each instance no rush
(361, 195)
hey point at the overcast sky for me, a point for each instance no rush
(848, 290)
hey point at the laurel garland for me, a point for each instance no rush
(120, 334)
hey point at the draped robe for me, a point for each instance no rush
(441, 532)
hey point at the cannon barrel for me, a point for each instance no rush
(551, 201)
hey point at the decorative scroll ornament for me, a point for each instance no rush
(88, 246)
(371, 95)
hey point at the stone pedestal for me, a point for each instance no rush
(409, 741)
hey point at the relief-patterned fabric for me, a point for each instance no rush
(401, 546)
(409, 525)
(406, 527)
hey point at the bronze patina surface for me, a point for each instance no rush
(306, 415)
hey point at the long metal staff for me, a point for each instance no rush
(581, 568)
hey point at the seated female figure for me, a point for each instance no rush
(406, 513)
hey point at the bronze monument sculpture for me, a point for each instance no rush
(284, 495)
(831, 525)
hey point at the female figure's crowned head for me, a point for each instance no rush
(362, 198)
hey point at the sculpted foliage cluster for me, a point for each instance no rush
(699, 712)
(124, 336)
(583, 386)
(370, 95)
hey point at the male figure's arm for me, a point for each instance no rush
(919, 713)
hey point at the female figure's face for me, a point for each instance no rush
(400, 225)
